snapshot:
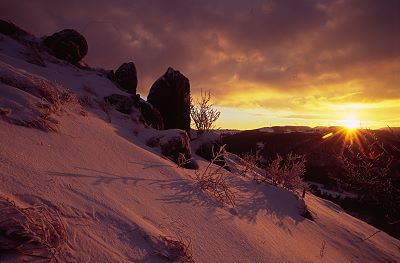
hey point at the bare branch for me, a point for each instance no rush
(203, 114)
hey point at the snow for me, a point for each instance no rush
(117, 196)
(266, 129)
(208, 137)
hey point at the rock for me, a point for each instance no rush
(149, 115)
(170, 94)
(122, 103)
(110, 75)
(175, 145)
(68, 45)
(32, 52)
(126, 77)
(9, 29)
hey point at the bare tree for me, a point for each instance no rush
(203, 114)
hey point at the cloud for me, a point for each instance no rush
(291, 53)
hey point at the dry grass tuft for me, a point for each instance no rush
(34, 231)
(52, 98)
(176, 249)
(45, 123)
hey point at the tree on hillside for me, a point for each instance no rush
(203, 114)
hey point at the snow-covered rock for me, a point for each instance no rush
(175, 145)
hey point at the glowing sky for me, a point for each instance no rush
(266, 62)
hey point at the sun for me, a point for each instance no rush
(351, 123)
(351, 132)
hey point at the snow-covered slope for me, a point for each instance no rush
(118, 198)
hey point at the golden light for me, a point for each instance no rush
(326, 136)
(351, 132)
(351, 123)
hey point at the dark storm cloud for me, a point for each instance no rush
(284, 46)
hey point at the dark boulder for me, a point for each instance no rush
(175, 145)
(170, 94)
(68, 45)
(126, 77)
(149, 115)
(122, 103)
(9, 29)
(110, 75)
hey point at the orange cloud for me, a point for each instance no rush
(278, 59)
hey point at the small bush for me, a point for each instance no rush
(287, 172)
(214, 180)
(203, 114)
(183, 161)
(250, 164)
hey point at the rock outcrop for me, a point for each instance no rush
(175, 145)
(170, 94)
(121, 103)
(9, 29)
(126, 77)
(149, 115)
(68, 45)
(32, 52)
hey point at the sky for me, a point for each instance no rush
(266, 63)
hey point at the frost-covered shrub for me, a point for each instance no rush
(249, 164)
(214, 180)
(287, 172)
